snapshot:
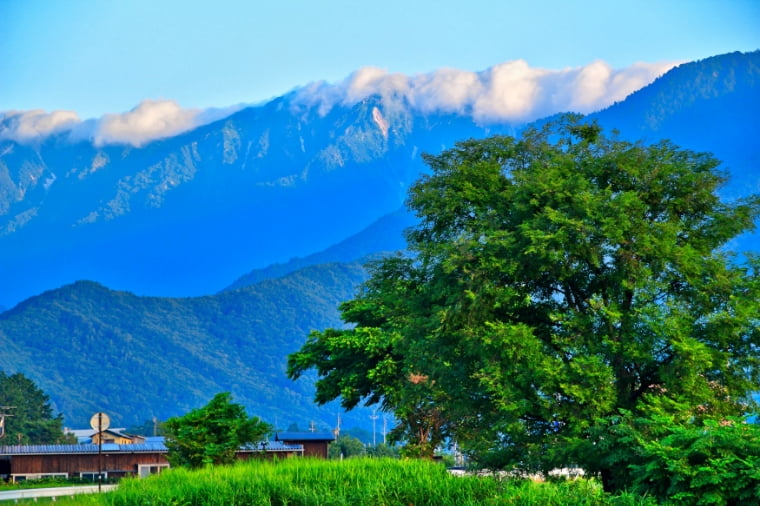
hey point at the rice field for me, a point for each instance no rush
(364, 481)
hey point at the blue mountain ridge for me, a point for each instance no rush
(142, 217)
(187, 215)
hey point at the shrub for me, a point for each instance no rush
(713, 462)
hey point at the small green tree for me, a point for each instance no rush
(32, 420)
(382, 450)
(212, 434)
(345, 447)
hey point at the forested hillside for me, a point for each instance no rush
(93, 349)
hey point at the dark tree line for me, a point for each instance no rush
(31, 419)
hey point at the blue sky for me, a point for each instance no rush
(95, 57)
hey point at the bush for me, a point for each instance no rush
(714, 462)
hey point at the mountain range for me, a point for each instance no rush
(212, 254)
(189, 214)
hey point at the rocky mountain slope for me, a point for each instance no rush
(266, 188)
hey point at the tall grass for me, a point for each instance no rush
(298, 481)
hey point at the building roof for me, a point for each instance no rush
(272, 446)
(147, 447)
(304, 436)
(82, 448)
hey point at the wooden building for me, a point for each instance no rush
(19, 463)
(83, 460)
(314, 443)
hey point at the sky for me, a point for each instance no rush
(160, 66)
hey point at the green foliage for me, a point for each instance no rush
(382, 450)
(345, 447)
(557, 280)
(31, 420)
(715, 462)
(212, 434)
(148, 428)
(350, 482)
(370, 362)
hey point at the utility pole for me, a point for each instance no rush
(99, 423)
(374, 432)
(3, 415)
(385, 429)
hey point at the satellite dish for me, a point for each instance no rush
(100, 421)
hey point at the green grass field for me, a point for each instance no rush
(352, 482)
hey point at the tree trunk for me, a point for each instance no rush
(607, 480)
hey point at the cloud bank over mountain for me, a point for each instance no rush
(509, 92)
(27, 126)
(150, 120)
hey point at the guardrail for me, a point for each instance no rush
(52, 492)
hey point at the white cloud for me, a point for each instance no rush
(512, 91)
(150, 120)
(26, 126)
(447, 90)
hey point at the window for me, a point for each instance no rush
(92, 476)
(145, 470)
(17, 478)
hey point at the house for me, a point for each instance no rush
(314, 443)
(114, 460)
(116, 436)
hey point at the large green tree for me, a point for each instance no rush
(560, 284)
(212, 434)
(31, 419)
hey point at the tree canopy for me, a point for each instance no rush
(558, 284)
(212, 434)
(32, 420)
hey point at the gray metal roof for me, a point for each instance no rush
(81, 448)
(272, 446)
(148, 447)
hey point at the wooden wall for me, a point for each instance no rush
(314, 448)
(73, 464)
